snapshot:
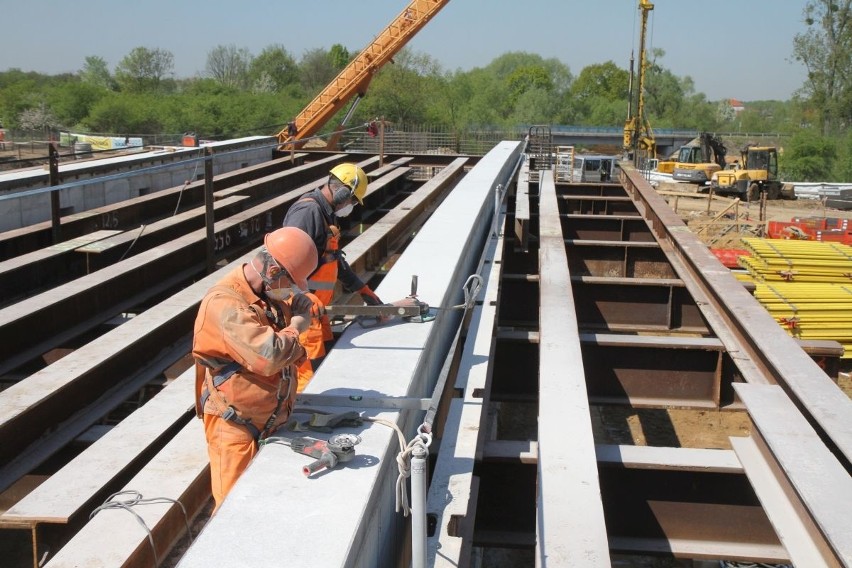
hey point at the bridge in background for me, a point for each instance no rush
(607, 139)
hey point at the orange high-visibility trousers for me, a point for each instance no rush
(230, 447)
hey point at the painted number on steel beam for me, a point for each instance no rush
(109, 220)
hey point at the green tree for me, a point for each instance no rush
(455, 92)
(842, 170)
(809, 156)
(404, 91)
(125, 113)
(526, 78)
(664, 93)
(599, 95)
(273, 70)
(18, 90)
(339, 56)
(511, 75)
(316, 70)
(825, 49)
(229, 65)
(480, 95)
(96, 72)
(72, 101)
(604, 80)
(535, 106)
(144, 70)
(603, 111)
(698, 113)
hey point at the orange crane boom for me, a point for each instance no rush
(355, 77)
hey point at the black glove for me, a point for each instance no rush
(369, 296)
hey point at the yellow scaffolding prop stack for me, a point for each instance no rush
(805, 285)
(777, 260)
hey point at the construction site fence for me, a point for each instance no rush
(428, 140)
(23, 149)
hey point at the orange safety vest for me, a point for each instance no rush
(321, 283)
(324, 278)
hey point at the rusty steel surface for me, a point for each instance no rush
(750, 334)
(128, 214)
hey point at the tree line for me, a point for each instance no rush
(240, 94)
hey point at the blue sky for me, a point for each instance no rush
(731, 48)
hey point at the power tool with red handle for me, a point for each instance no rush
(339, 448)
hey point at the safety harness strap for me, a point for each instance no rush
(231, 414)
(219, 378)
(228, 412)
(224, 409)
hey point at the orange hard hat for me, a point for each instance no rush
(293, 249)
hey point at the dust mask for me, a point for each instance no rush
(345, 211)
(279, 294)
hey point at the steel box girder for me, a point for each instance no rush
(683, 513)
(606, 228)
(588, 190)
(640, 371)
(618, 259)
(636, 304)
(40, 323)
(617, 304)
(585, 205)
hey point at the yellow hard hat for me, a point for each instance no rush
(293, 249)
(352, 177)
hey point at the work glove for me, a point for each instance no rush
(300, 323)
(317, 307)
(300, 306)
(369, 296)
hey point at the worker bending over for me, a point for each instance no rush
(246, 348)
(317, 214)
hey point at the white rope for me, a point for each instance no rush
(136, 499)
(403, 460)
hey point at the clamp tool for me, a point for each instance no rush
(410, 308)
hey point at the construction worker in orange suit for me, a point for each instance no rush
(246, 349)
(317, 213)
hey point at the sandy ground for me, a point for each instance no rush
(722, 222)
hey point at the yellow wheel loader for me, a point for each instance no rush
(756, 174)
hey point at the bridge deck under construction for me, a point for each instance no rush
(575, 325)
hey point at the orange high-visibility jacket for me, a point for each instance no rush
(233, 325)
(315, 215)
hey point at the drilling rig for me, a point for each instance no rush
(639, 142)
